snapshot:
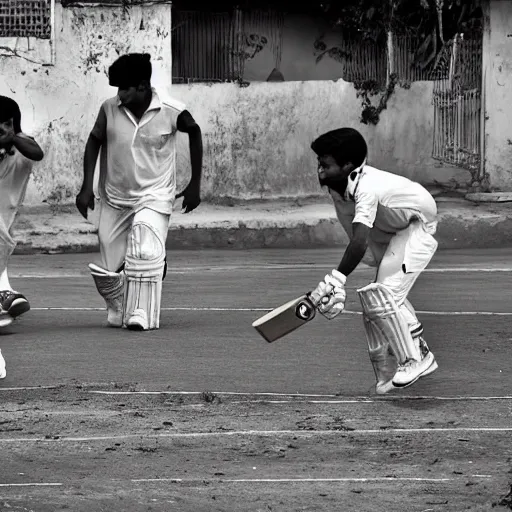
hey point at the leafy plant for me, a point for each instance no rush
(433, 23)
(368, 88)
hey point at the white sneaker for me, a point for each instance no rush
(138, 321)
(410, 371)
(5, 319)
(3, 371)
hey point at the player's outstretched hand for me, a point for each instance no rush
(85, 200)
(191, 197)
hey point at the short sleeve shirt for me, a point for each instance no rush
(138, 158)
(15, 171)
(389, 202)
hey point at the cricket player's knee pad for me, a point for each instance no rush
(384, 323)
(144, 269)
(145, 256)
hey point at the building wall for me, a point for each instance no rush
(257, 138)
(60, 86)
(497, 52)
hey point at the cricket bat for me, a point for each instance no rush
(286, 318)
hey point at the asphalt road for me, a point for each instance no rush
(204, 415)
(206, 341)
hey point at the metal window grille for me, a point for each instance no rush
(213, 46)
(404, 51)
(25, 18)
(367, 59)
(203, 47)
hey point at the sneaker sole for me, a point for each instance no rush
(135, 327)
(18, 307)
(432, 368)
(6, 320)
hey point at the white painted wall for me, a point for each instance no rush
(257, 139)
(497, 62)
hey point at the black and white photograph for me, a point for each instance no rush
(255, 256)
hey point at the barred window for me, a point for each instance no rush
(214, 46)
(25, 18)
(203, 45)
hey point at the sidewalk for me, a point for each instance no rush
(307, 224)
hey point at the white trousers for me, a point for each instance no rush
(114, 225)
(13, 186)
(401, 261)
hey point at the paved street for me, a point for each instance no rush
(207, 342)
(206, 350)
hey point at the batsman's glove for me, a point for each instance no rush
(330, 295)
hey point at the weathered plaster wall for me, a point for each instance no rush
(59, 102)
(257, 139)
(497, 61)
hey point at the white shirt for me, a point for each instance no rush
(138, 159)
(15, 172)
(386, 202)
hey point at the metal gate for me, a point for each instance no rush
(457, 101)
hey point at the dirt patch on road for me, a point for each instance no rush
(107, 448)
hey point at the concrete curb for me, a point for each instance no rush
(462, 224)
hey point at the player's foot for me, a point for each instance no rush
(115, 316)
(13, 303)
(410, 371)
(3, 371)
(138, 321)
(381, 388)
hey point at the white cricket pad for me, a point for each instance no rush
(144, 268)
(110, 286)
(3, 371)
(387, 332)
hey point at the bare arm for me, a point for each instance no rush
(192, 192)
(28, 147)
(85, 198)
(92, 149)
(355, 250)
(187, 124)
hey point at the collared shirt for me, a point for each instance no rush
(386, 202)
(138, 158)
